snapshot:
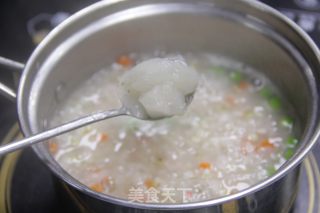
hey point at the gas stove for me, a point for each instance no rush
(29, 185)
(306, 13)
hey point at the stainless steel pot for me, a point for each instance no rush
(244, 30)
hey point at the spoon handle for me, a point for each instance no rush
(67, 127)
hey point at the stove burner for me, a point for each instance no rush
(308, 4)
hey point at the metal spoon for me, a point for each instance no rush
(75, 124)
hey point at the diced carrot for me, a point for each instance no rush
(265, 144)
(105, 181)
(204, 165)
(230, 100)
(53, 147)
(149, 183)
(103, 137)
(243, 85)
(189, 194)
(98, 187)
(125, 61)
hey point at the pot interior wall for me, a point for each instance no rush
(98, 44)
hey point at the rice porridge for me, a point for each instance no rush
(236, 132)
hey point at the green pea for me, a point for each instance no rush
(287, 122)
(265, 92)
(274, 102)
(291, 141)
(218, 70)
(288, 153)
(236, 76)
(271, 171)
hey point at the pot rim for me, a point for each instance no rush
(63, 175)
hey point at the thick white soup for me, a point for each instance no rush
(235, 133)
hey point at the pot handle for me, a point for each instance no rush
(15, 66)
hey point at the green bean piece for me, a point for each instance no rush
(274, 102)
(287, 122)
(292, 141)
(271, 171)
(218, 70)
(288, 153)
(265, 92)
(236, 76)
